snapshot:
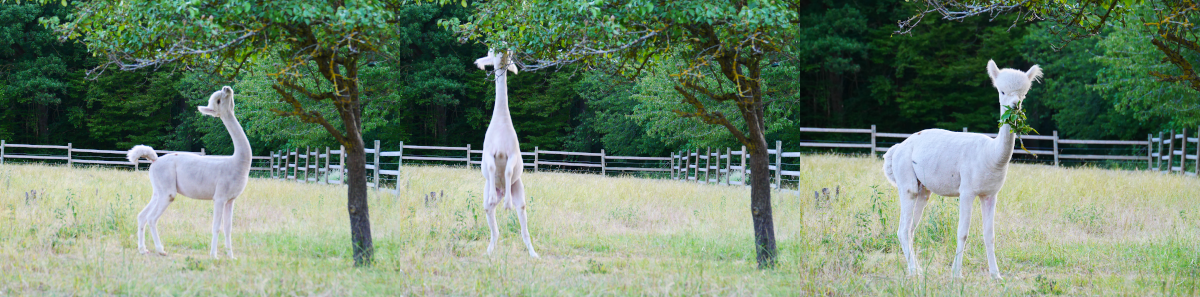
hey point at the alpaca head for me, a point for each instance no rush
(1011, 83)
(501, 61)
(220, 104)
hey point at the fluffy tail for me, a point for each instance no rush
(887, 164)
(139, 151)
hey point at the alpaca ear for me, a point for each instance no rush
(208, 111)
(1034, 73)
(508, 60)
(992, 70)
(483, 62)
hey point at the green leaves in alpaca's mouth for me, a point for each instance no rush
(1015, 118)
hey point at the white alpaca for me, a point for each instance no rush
(956, 164)
(502, 163)
(217, 178)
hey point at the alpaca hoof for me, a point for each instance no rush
(533, 254)
(143, 251)
(162, 253)
(996, 276)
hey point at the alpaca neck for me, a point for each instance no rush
(1003, 146)
(500, 112)
(241, 145)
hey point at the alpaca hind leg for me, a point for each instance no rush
(160, 203)
(518, 200)
(988, 208)
(920, 199)
(490, 200)
(964, 226)
(218, 214)
(143, 219)
(906, 204)
(227, 221)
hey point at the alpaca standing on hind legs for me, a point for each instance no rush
(502, 164)
(957, 164)
(217, 178)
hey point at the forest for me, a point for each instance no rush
(845, 66)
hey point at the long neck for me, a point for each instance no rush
(500, 112)
(1002, 146)
(241, 145)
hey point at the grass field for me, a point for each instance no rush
(1059, 231)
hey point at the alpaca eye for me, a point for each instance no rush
(1001, 93)
(218, 101)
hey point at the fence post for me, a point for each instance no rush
(964, 129)
(1171, 153)
(469, 158)
(1149, 151)
(295, 163)
(202, 152)
(673, 169)
(327, 171)
(697, 165)
(536, 152)
(69, 162)
(717, 154)
(872, 143)
(400, 158)
(1055, 147)
(728, 162)
(603, 164)
(2, 152)
(707, 163)
(778, 164)
(1197, 151)
(745, 182)
(307, 161)
(1158, 159)
(1183, 154)
(342, 164)
(376, 164)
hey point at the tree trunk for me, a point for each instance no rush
(43, 122)
(760, 197)
(356, 201)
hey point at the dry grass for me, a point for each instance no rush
(1067, 231)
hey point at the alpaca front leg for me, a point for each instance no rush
(218, 210)
(988, 208)
(964, 226)
(227, 221)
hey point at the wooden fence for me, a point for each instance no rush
(318, 165)
(705, 166)
(714, 166)
(72, 155)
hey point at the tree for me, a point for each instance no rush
(34, 71)
(317, 49)
(1168, 22)
(722, 47)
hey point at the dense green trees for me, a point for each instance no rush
(428, 93)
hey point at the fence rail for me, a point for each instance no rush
(709, 165)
